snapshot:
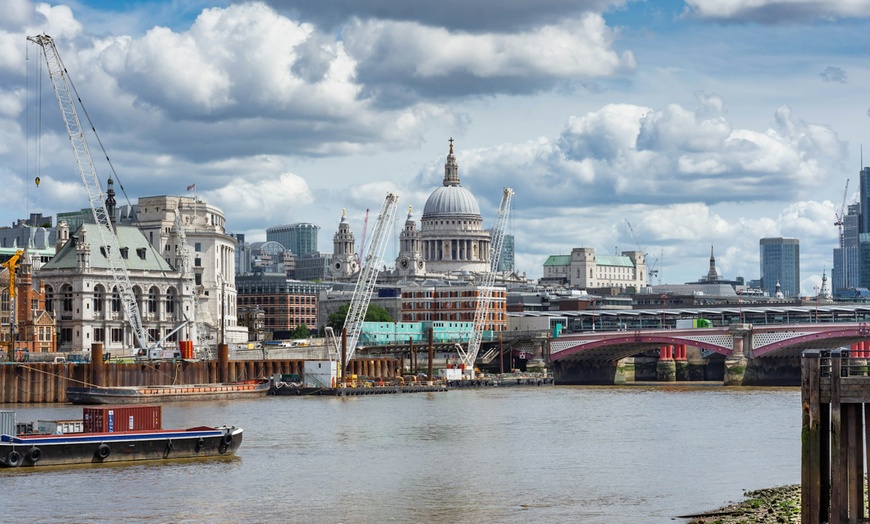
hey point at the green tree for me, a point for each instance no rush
(374, 313)
(300, 331)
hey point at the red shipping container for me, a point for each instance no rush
(110, 419)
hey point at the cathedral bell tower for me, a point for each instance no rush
(343, 263)
(410, 260)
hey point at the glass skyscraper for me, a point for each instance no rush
(780, 263)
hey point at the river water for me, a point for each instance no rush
(604, 455)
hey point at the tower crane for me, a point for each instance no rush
(62, 84)
(12, 265)
(484, 301)
(368, 275)
(841, 215)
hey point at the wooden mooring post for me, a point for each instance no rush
(835, 426)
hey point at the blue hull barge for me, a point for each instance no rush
(114, 444)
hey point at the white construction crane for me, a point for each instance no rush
(61, 83)
(484, 301)
(368, 275)
(841, 214)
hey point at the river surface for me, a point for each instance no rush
(549, 454)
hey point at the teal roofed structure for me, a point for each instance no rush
(558, 260)
(138, 254)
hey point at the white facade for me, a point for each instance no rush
(584, 269)
(82, 294)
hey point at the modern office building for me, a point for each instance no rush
(780, 265)
(299, 238)
(846, 272)
(864, 179)
(506, 263)
(285, 303)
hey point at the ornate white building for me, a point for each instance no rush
(583, 269)
(214, 259)
(82, 295)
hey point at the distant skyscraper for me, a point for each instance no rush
(780, 264)
(300, 238)
(506, 263)
(864, 178)
(846, 271)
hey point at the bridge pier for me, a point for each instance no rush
(666, 368)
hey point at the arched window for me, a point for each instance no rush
(66, 293)
(49, 299)
(99, 297)
(116, 301)
(153, 300)
(171, 298)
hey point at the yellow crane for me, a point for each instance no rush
(12, 265)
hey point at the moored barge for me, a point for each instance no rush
(118, 434)
(168, 393)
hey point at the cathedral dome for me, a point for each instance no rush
(450, 200)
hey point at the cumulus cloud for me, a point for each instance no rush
(635, 154)
(439, 62)
(262, 200)
(777, 11)
(478, 16)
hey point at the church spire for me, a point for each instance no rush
(110, 200)
(712, 274)
(451, 169)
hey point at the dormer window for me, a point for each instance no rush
(124, 252)
(140, 252)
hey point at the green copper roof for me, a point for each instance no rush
(613, 260)
(140, 255)
(558, 260)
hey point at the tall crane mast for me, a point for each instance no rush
(108, 240)
(841, 215)
(484, 301)
(368, 275)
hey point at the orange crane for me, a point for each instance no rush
(841, 214)
(12, 265)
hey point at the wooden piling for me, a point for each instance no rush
(835, 425)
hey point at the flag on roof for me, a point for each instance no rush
(191, 187)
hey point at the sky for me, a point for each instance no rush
(665, 126)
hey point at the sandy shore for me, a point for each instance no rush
(772, 505)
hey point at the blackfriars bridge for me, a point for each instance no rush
(737, 354)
